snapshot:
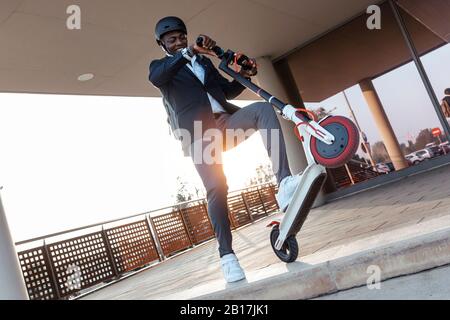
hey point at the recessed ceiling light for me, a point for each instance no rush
(86, 77)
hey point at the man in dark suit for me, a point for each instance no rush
(195, 96)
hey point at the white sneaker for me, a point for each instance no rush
(286, 190)
(231, 269)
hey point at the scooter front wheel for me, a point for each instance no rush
(343, 148)
(289, 251)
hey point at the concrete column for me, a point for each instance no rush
(12, 285)
(267, 79)
(383, 124)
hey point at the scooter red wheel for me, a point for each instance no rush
(343, 148)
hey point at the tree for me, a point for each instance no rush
(183, 193)
(379, 152)
(358, 158)
(321, 112)
(264, 174)
(404, 148)
(425, 136)
(411, 148)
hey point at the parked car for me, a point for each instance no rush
(425, 154)
(436, 151)
(382, 168)
(390, 165)
(413, 159)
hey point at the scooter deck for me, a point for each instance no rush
(304, 210)
(303, 199)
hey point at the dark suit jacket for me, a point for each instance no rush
(185, 97)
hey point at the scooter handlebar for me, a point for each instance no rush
(242, 59)
(216, 49)
(227, 59)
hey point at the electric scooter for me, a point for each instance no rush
(328, 143)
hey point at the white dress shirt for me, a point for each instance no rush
(198, 70)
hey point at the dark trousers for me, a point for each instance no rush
(255, 116)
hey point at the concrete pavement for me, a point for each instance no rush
(433, 284)
(403, 228)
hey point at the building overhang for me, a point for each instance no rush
(40, 55)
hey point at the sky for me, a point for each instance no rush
(70, 161)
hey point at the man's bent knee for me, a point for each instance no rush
(267, 108)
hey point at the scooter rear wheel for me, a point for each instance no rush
(289, 251)
(342, 149)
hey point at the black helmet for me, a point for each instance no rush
(447, 91)
(168, 24)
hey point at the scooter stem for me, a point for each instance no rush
(288, 111)
(311, 127)
(227, 59)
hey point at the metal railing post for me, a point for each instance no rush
(349, 174)
(109, 252)
(155, 237)
(13, 285)
(185, 227)
(262, 202)
(48, 257)
(247, 207)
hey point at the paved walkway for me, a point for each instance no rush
(410, 202)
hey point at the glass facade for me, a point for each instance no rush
(409, 108)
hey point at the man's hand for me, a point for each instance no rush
(208, 44)
(249, 73)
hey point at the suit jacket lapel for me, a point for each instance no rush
(205, 65)
(189, 72)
